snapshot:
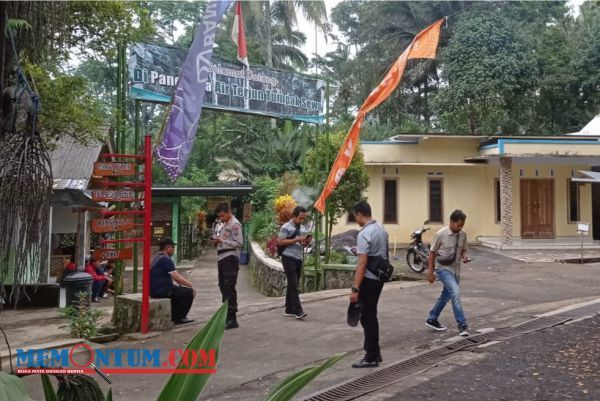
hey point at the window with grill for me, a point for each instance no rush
(390, 202)
(435, 201)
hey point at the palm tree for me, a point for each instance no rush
(279, 18)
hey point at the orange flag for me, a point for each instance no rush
(424, 45)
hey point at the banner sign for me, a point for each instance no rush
(113, 254)
(113, 195)
(154, 72)
(114, 169)
(111, 225)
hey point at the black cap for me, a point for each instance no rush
(353, 317)
(165, 242)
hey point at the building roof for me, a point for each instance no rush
(591, 129)
(204, 190)
(73, 163)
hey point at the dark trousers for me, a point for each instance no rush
(97, 289)
(181, 300)
(228, 273)
(293, 271)
(369, 293)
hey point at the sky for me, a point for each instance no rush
(322, 46)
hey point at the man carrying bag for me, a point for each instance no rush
(448, 249)
(371, 272)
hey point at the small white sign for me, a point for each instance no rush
(583, 228)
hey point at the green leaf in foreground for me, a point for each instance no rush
(12, 388)
(187, 387)
(49, 393)
(290, 386)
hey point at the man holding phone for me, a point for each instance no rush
(448, 249)
(293, 236)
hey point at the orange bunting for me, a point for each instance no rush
(424, 45)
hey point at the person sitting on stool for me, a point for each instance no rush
(163, 277)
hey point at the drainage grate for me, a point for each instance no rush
(355, 388)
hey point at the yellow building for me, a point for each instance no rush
(513, 190)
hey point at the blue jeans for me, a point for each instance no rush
(451, 292)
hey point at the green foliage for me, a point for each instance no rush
(49, 393)
(492, 75)
(337, 258)
(510, 67)
(351, 187)
(12, 388)
(66, 105)
(188, 387)
(266, 190)
(290, 386)
(83, 320)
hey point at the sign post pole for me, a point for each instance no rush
(582, 229)
(147, 232)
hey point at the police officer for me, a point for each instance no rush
(229, 242)
(372, 241)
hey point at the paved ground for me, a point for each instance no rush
(497, 291)
(561, 363)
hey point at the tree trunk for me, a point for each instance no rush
(2, 46)
(268, 35)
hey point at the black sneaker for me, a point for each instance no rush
(185, 320)
(287, 314)
(363, 363)
(463, 331)
(231, 324)
(301, 315)
(435, 325)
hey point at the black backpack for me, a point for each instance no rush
(281, 248)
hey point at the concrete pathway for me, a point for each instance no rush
(496, 290)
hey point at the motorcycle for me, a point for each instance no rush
(417, 255)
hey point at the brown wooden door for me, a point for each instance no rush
(537, 208)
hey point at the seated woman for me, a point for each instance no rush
(99, 279)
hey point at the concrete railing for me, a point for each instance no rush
(266, 273)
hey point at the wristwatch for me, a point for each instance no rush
(354, 289)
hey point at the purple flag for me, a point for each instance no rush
(180, 131)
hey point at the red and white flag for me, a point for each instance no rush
(238, 36)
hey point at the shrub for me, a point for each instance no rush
(83, 320)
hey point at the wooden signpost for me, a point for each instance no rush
(123, 220)
(113, 195)
(114, 169)
(111, 225)
(113, 253)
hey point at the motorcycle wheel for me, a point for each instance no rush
(414, 261)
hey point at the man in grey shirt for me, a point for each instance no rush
(448, 249)
(293, 236)
(372, 242)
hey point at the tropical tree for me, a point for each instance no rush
(278, 19)
(350, 189)
(491, 76)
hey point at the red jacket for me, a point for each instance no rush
(90, 269)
